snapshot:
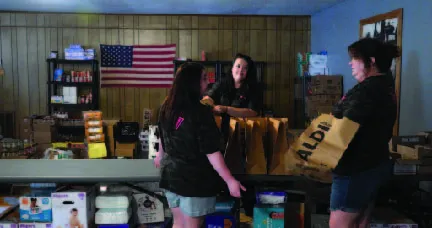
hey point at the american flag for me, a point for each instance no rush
(139, 66)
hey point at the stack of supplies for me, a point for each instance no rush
(113, 209)
(413, 154)
(94, 134)
(278, 209)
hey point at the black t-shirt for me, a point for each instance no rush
(372, 104)
(224, 93)
(185, 168)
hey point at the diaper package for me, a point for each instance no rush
(35, 209)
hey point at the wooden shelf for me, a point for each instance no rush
(67, 61)
(74, 106)
(71, 83)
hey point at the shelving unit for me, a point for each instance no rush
(302, 92)
(142, 170)
(53, 86)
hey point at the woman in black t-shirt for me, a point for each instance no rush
(189, 157)
(365, 164)
(237, 95)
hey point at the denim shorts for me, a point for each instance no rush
(192, 206)
(355, 193)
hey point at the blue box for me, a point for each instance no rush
(35, 209)
(268, 217)
(220, 221)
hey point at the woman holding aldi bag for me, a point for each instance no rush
(188, 153)
(365, 164)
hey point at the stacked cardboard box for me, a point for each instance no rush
(95, 135)
(38, 131)
(323, 93)
(412, 153)
(124, 149)
(44, 131)
(26, 129)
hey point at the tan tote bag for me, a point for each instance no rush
(318, 149)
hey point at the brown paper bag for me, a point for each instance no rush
(218, 120)
(318, 150)
(255, 157)
(234, 157)
(278, 145)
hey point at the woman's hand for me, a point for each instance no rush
(235, 188)
(207, 101)
(220, 109)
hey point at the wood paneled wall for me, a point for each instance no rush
(27, 38)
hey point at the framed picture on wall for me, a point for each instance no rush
(387, 27)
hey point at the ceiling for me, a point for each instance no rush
(233, 7)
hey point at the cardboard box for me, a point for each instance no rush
(27, 122)
(326, 80)
(110, 135)
(387, 217)
(149, 209)
(407, 157)
(35, 209)
(427, 135)
(125, 146)
(8, 225)
(291, 214)
(404, 169)
(41, 125)
(425, 170)
(326, 85)
(69, 209)
(315, 111)
(220, 220)
(323, 100)
(42, 137)
(124, 152)
(26, 134)
(40, 148)
(268, 217)
(409, 140)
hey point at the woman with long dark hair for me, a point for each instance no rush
(365, 164)
(192, 166)
(237, 95)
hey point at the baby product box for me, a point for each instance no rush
(8, 225)
(148, 209)
(69, 209)
(268, 217)
(35, 225)
(224, 220)
(35, 209)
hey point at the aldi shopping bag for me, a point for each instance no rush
(255, 157)
(318, 150)
(278, 145)
(234, 153)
